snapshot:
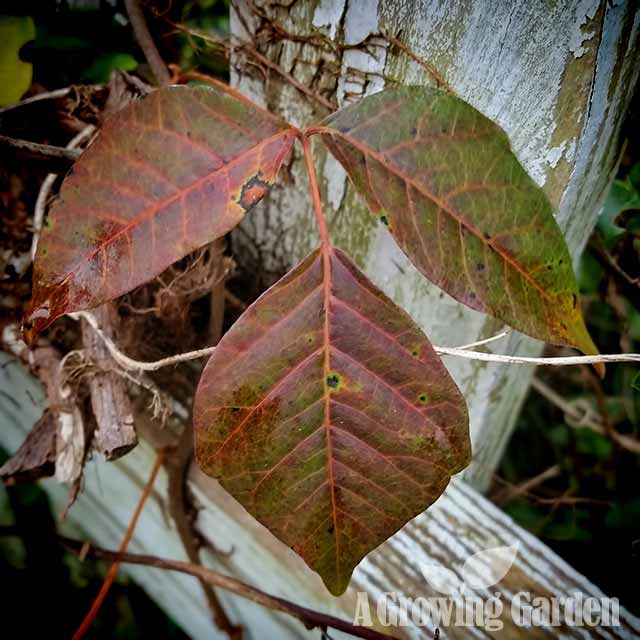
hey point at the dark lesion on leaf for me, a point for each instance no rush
(334, 381)
(423, 398)
(253, 191)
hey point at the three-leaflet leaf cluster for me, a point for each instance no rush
(324, 410)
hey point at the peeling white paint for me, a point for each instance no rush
(360, 21)
(586, 12)
(328, 14)
(570, 153)
(554, 154)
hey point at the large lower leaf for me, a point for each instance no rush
(460, 205)
(327, 414)
(167, 174)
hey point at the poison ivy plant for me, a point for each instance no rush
(167, 175)
(324, 410)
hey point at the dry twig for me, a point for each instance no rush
(580, 418)
(308, 617)
(146, 42)
(462, 352)
(113, 570)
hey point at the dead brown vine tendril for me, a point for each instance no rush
(464, 351)
(310, 618)
(113, 570)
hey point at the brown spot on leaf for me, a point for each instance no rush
(253, 191)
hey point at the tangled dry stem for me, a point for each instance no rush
(464, 351)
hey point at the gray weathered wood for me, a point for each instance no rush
(115, 433)
(461, 523)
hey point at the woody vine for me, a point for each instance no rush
(325, 411)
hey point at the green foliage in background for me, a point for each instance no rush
(15, 73)
(592, 502)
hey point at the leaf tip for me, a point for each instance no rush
(46, 305)
(581, 340)
(336, 585)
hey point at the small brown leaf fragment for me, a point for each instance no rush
(36, 456)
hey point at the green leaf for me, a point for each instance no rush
(591, 443)
(167, 174)
(590, 273)
(326, 412)
(621, 209)
(569, 524)
(15, 75)
(101, 68)
(460, 205)
(624, 514)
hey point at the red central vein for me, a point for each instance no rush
(150, 211)
(325, 250)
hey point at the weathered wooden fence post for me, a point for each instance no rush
(557, 77)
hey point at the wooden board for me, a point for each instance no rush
(461, 523)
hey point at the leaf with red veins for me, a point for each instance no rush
(444, 179)
(166, 175)
(327, 414)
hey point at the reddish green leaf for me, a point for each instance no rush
(327, 414)
(167, 174)
(460, 205)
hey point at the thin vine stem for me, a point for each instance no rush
(554, 361)
(463, 351)
(325, 248)
(308, 617)
(113, 570)
(315, 192)
(136, 365)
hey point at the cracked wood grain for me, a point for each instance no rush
(115, 433)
